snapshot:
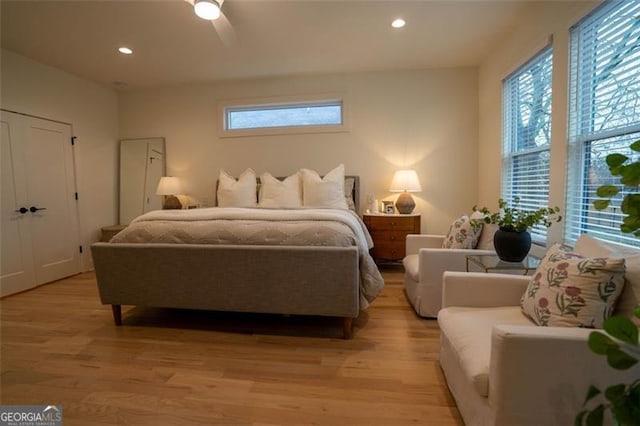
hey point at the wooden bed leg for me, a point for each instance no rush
(117, 314)
(347, 328)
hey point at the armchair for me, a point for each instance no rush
(424, 264)
(503, 369)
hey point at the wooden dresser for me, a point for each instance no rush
(389, 232)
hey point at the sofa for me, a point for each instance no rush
(425, 263)
(503, 369)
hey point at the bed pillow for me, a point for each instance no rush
(276, 193)
(237, 193)
(570, 290)
(462, 234)
(327, 192)
(349, 183)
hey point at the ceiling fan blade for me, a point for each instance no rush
(225, 31)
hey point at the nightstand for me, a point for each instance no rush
(108, 232)
(389, 233)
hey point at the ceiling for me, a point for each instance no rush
(173, 46)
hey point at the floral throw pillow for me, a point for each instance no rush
(569, 290)
(462, 234)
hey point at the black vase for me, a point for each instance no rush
(512, 246)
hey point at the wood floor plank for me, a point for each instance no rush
(179, 367)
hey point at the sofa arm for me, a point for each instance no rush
(415, 242)
(477, 289)
(434, 261)
(540, 375)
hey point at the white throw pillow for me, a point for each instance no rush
(240, 193)
(324, 192)
(276, 193)
(462, 234)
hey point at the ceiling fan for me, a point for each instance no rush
(211, 10)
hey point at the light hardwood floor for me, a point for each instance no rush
(174, 367)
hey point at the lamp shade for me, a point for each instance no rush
(405, 180)
(169, 185)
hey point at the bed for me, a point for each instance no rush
(276, 261)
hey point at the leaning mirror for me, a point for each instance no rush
(141, 167)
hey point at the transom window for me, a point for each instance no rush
(527, 135)
(283, 116)
(604, 115)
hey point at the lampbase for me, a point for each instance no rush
(405, 203)
(171, 202)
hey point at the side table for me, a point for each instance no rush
(492, 263)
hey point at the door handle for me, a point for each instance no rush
(34, 209)
(22, 210)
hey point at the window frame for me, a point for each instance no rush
(283, 102)
(583, 102)
(510, 153)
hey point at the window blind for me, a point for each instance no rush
(604, 115)
(526, 136)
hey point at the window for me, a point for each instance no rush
(526, 136)
(283, 115)
(604, 115)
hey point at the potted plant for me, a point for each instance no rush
(619, 341)
(512, 240)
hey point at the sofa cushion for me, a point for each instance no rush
(469, 332)
(571, 290)
(462, 234)
(630, 297)
(411, 264)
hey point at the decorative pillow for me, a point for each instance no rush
(240, 193)
(570, 290)
(324, 192)
(348, 193)
(462, 234)
(276, 193)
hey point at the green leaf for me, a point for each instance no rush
(636, 311)
(596, 416)
(620, 360)
(601, 204)
(600, 343)
(616, 394)
(630, 174)
(635, 146)
(622, 328)
(607, 191)
(580, 418)
(616, 159)
(593, 391)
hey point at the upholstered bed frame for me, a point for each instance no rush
(239, 278)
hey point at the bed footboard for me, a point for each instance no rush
(261, 279)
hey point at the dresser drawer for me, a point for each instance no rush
(389, 234)
(392, 223)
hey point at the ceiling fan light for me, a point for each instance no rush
(207, 9)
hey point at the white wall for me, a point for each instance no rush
(39, 90)
(424, 119)
(546, 20)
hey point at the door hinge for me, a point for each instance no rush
(80, 247)
(73, 140)
(76, 194)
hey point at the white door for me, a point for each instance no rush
(42, 150)
(17, 272)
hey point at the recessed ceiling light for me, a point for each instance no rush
(398, 23)
(125, 50)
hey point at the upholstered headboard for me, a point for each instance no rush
(355, 190)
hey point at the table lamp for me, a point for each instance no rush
(170, 186)
(405, 181)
